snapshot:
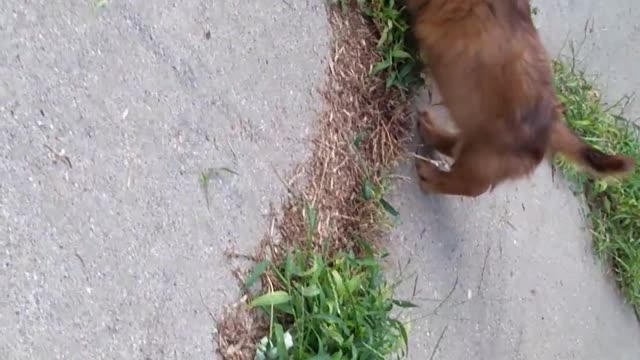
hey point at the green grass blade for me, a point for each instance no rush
(257, 272)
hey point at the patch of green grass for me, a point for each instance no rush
(336, 308)
(614, 206)
(400, 63)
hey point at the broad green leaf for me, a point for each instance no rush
(367, 189)
(380, 66)
(320, 357)
(401, 54)
(282, 349)
(338, 282)
(272, 298)
(388, 208)
(310, 291)
(404, 304)
(256, 273)
(353, 284)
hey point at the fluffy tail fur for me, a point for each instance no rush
(565, 142)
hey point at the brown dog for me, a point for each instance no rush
(496, 82)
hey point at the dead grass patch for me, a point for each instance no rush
(359, 136)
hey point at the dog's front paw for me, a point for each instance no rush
(428, 175)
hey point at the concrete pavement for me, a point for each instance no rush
(606, 36)
(117, 256)
(511, 275)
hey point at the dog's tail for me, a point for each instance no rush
(565, 142)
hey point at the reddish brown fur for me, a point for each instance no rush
(496, 81)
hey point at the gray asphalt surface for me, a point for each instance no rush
(511, 275)
(117, 256)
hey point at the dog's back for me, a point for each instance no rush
(496, 80)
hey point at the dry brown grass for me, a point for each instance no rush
(355, 104)
(238, 331)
